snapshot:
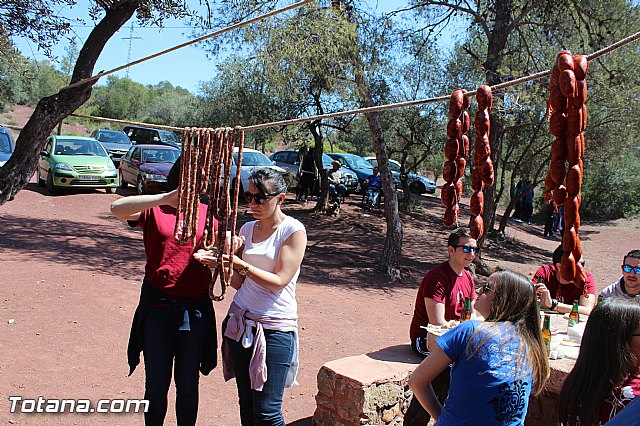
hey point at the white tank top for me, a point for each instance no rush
(263, 255)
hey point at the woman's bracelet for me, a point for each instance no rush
(554, 304)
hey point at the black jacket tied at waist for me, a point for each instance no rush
(149, 296)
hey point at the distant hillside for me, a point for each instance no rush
(17, 118)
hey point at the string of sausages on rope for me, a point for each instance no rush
(205, 168)
(218, 145)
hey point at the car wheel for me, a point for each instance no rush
(140, 185)
(416, 188)
(40, 181)
(110, 190)
(50, 186)
(123, 184)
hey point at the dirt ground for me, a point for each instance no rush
(71, 275)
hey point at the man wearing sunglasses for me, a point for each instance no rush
(629, 283)
(558, 294)
(441, 299)
(443, 289)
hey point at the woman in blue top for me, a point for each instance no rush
(496, 364)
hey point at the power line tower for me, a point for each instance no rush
(130, 38)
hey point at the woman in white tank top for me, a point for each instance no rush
(260, 344)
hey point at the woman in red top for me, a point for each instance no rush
(174, 321)
(606, 375)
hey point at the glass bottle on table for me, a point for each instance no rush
(466, 310)
(546, 333)
(574, 316)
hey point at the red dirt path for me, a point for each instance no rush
(70, 283)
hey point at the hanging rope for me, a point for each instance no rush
(386, 107)
(190, 42)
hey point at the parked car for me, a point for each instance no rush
(288, 159)
(147, 135)
(251, 160)
(116, 142)
(360, 166)
(76, 162)
(6, 145)
(418, 184)
(146, 167)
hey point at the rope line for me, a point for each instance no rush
(385, 107)
(190, 42)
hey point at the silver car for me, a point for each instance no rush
(288, 159)
(418, 184)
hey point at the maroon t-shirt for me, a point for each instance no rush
(564, 293)
(620, 397)
(170, 267)
(442, 285)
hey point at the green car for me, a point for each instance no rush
(76, 162)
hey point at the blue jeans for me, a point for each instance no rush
(163, 343)
(263, 407)
(372, 196)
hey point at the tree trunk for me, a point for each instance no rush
(51, 110)
(392, 251)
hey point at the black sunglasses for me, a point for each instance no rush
(469, 249)
(629, 268)
(485, 288)
(258, 198)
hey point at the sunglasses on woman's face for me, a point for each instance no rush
(258, 198)
(485, 289)
(629, 268)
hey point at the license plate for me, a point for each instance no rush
(88, 177)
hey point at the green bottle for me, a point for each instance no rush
(574, 316)
(546, 333)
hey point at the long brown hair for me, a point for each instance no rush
(514, 301)
(604, 362)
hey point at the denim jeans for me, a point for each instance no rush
(263, 407)
(163, 343)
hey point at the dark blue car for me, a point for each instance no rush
(6, 145)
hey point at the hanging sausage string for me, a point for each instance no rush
(205, 168)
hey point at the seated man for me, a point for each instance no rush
(628, 285)
(443, 289)
(440, 299)
(558, 294)
(374, 186)
(337, 190)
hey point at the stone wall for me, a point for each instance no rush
(368, 389)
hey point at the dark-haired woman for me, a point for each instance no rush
(174, 321)
(605, 377)
(496, 364)
(260, 346)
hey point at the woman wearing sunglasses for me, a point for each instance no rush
(260, 344)
(605, 377)
(497, 364)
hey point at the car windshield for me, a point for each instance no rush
(395, 167)
(113, 136)
(356, 162)
(5, 144)
(167, 136)
(252, 158)
(326, 161)
(80, 147)
(159, 155)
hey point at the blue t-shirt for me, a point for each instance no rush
(485, 388)
(375, 181)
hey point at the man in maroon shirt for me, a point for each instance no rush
(440, 299)
(559, 294)
(444, 288)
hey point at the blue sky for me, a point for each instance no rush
(185, 67)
